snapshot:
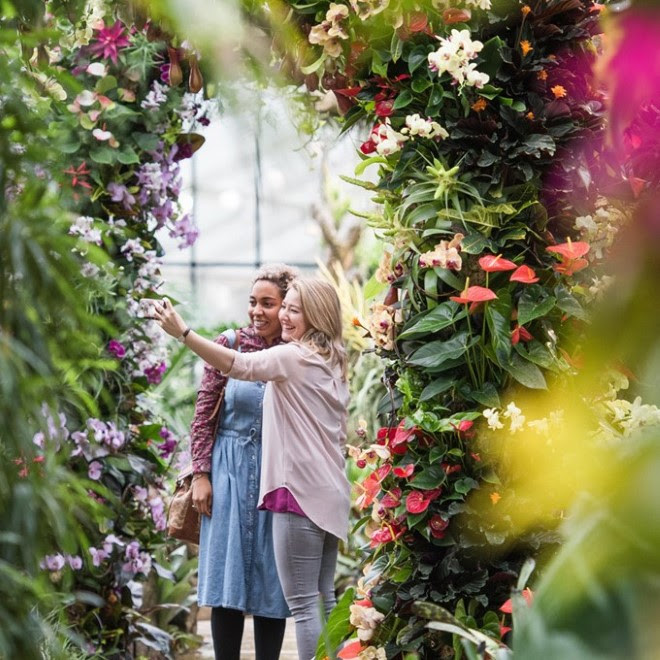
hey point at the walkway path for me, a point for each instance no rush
(247, 650)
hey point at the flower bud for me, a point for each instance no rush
(195, 79)
(176, 75)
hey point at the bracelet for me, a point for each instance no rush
(183, 335)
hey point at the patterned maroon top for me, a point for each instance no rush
(202, 430)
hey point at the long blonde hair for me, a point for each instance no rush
(322, 311)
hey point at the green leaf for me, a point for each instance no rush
(146, 141)
(314, 66)
(420, 85)
(487, 396)
(362, 166)
(337, 627)
(569, 304)
(438, 386)
(422, 213)
(378, 66)
(465, 485)
(534, 302)
(373, 287)
(435, 353)
(437, 319)
(490, 92)
(396, 47)
(103, 155)
(525, 372)
(127, 156)
(106, 84)
(498, 317)
(417, 57)
(474, 244)
(491, 54)
(431, 288)
(430, 478)
(403, 100)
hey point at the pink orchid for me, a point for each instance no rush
(109, 41)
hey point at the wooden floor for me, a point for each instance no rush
(289, 651)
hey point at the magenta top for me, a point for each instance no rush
(281, 500)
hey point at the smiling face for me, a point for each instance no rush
(265, 301)
(294, 325)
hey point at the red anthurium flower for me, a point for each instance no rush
(405, 471)
(417, 502)
(520, 333)
(390, 532)
(368, 490)
(528, 595)
(493, 263)
(351, 651)
(385, 434)
(570, 250)
(475, 456)
(504, 630)
(398, 444)
(383, 471)
(474, 294)
(433, 494)
(450, 469)
(450, 16)
(570, 266)
(524, 275)
(391, 499)
(417, 21)
(384, 108)
(438, 525)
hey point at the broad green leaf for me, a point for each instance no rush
(525, 372)
(146, 141)
(417, 57)
(474, 244)
(487, 396)
(569, 304)
(403, 100)
(498, 317)
(422, 213)
(438, 319)
(534, 302)
(430, 478)
(465, 485)
(127, 156)
(106, 84)
(420, 85)
(373, 287)
(337, 626)
(396, 47)
(103, 155)
(431, 288)
(438, 386)
(435, 353)
(491, 55)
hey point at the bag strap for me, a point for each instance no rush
(234, 338)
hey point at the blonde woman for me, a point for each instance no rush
(303, 479)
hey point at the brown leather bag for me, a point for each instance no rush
(183, 521)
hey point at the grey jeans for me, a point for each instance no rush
(306, 557)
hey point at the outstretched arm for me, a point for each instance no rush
(170, 320)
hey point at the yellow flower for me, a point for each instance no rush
(542, 74)
(495, 498)
(558, 91)
(525, 9)
(480, 104)
(530, 116)
(525, 47)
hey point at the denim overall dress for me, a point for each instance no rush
(236, 559)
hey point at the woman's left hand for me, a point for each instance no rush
(168, 318)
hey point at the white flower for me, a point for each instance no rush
(85, 98)
(454, 57)
(493, 418)
(540, 426)
(480, 4)
(416, 125)
(516, 419)
(97, 69)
